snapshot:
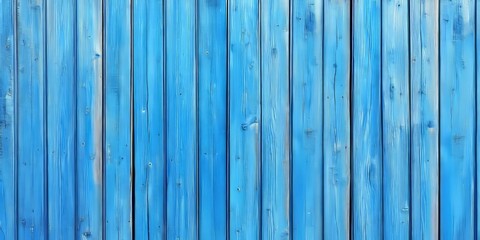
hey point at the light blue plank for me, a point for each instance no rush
(89, 119)
(182, 151)
(477, 166)
(212, 43)
(337, 120)
(424, 63)
(275, 119)
(118, 184)
(307, 118)
(367, 124)
(396, 119)
(457, 118)
(7, 121)
(244, 117)
(149, 145)
(61, 110)
(32, 212)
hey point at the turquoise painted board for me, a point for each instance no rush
(275, 124)
(424, 103)
(307, 118)
(148, 119)
(244, 119)
(367, 208)
(32, 111)
(396, 119)
(60, 135)
(182, 129)
(8, 210)
(117, 147)
(336, 117)
(212, 110)
(457, 119)
(89, 114)
(239, 119)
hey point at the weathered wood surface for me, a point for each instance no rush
(239, 119)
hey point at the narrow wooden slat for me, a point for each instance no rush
(367, 124)
(424, 63)
(337, 119)
(32, 212)
(148, 121)
(244, 116)
(118, 184)
(396, 119)
(7, 122)
(307, 118)
(212, 44)
(181, 90)
(61, 111)
(275, 31)
(89, 119)
(457, 118)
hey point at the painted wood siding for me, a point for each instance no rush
(239, 119)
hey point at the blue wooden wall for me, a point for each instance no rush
(239, 119)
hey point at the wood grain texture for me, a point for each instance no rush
(457, 118)
(8, 159)
(424, 64)
(31, 72)
(307, 118)
(117, 90)
(244, 114)
(89, 127)
(60, 135)
(275, 111)
(182, 131)
(212, 61)
(148, 118)
(367, 123)
(336, 139)
(396, 119)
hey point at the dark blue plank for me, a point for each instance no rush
(212, 60)
(424, 63)
(61, 112)
(118, 155)
(181, 92)
(457, 118)
(307, 118)
(32, 202)
(89, 127)
(244, 114)
(7, 121)
(336, 117)
(367, 124)
(148, 114)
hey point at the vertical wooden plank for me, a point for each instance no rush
(61, 111)
(149, 119)
(424, 63)
(181, 129)
(244, 112)
(7, 121)
(212, 43)
(457, 118)
(89, 119)
(396, 119)
(337, 119)
(32, 212)
(275, 135)
(367, 124)
(307, 118)
(118, 185)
